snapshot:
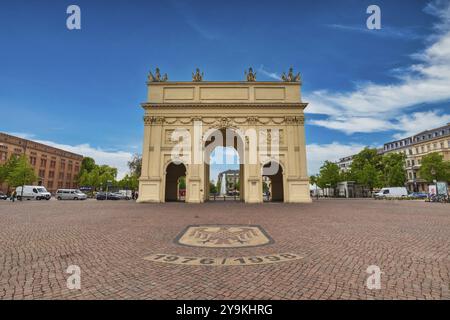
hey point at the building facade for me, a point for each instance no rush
(196, 113)
(54, 167)
(231, 180)
(345, 163)
(418, 146)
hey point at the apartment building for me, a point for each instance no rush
(54, 167)
(416, 147)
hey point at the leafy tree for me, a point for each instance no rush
(366, 168)
(313, 180)
(135, 165)
(87, 164)
(20, 172)
(212, 187)
(433, 167)
(129, 182)
(329, 175)
(369, 176)
(182, 183)
(265, 187)
(393, 170)
(7, 168)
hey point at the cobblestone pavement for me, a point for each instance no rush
(338, 240)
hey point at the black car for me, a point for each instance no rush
(107, 196)
(3, 196)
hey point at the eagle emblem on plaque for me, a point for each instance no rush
(223, 236)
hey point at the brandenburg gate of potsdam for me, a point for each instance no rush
(262, 120)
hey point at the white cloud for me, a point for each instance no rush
(355, 124)
(318, 153)
(420, 121)
(269, 74)
(426, 82)
(116, 159)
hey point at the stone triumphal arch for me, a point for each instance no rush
(263, 121)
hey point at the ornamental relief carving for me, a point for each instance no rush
(225, 122)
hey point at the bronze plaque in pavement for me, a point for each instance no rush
(224, 236)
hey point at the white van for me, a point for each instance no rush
(33, 192)
(396, 192)
(70, 194)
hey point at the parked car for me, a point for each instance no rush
(121, 196)
(70, 194)
(33, 192)
(418, 195)
(3, 196)
(107, 196)
(396, 192)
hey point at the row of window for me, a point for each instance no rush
(62, 165)
(409, 141)
(51, 174)
(426, 148)
(61, 184)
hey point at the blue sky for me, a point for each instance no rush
(82, 89)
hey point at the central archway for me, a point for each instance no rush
(229, 143)
(174, 176)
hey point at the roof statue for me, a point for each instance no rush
(251, 76)
(197, 77)
(157, 77)
(290, 76)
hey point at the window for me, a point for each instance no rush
(33, 161)
(41, 173)
(61, 175)
(52, 164)
(69, 176)
(412, 162)
(3, 156)
(43, 162)
(69, 167)
(50, 184)
(51, 174)
(442, 145)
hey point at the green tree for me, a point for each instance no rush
(329, 175)
(182, 183)
(129, 182)
(20, 172)
(313, 179)
(265, 187)
(366, 168)
(369, 176)
(394, 174)
(212, 187)
(433, 167)
(135, 165)
(87, 164)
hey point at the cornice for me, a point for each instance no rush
(280, 105)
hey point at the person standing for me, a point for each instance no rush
(13, 196)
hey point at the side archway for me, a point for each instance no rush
(174, 172)
(272, 173)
